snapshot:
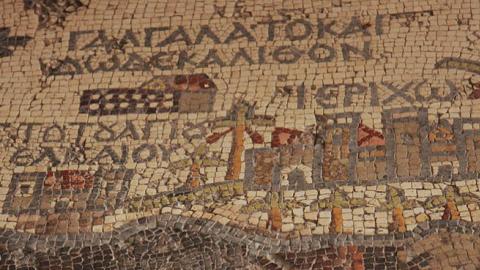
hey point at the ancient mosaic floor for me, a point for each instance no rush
(239, 134)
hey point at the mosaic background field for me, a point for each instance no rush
(338, 134)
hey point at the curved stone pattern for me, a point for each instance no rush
(246, 134)
(155, 249)
(172, 242)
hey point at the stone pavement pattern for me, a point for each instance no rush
(222, 134)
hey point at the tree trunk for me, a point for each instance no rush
(235, 159)
(399, 220)
(193, 179)
(357, 258)
(451, 211)
(275, 219)
(336, 225)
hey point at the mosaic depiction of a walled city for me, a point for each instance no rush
(239, 134)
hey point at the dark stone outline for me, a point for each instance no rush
(458, 63)
(260, 242)
(90, 204)
(425, 152)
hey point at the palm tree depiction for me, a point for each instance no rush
(241, 119)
